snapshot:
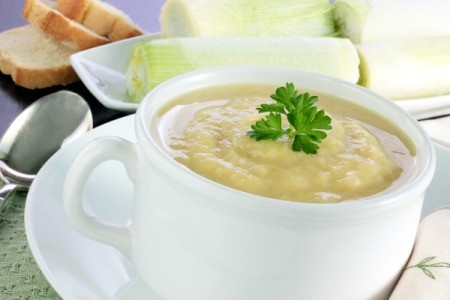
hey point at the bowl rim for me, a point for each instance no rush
(178, 173)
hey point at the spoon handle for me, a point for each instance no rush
(8, 189)
(15, 176)
(5, 191)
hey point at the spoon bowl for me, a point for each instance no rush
(37, 133)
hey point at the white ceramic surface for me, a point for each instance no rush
(80, 268)
(102, 70)
(214, 242)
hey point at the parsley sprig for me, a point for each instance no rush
(307, 123)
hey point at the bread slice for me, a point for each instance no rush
(33, 59)
(100, 17)
(44, 16)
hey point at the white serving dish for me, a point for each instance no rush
(102, 70)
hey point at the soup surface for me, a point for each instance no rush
(363, 154)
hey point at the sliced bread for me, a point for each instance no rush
(100, 17)
(33, 59)
(44, 16)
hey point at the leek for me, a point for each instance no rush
(410, 68)
(157, 60)
(374, 20)
(246, 18)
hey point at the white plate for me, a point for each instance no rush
(79, 268)
(102, 70)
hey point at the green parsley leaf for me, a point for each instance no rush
(274, 107)
(307, 123)
(268, 128)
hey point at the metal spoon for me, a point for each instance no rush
(36, 134)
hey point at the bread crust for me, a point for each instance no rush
(123, 30)
(74, 10)
(114, 24)
(17, 41)
(38, 79)
(61, 28)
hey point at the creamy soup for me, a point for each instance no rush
(363, 155)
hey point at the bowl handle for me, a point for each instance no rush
(90, 156)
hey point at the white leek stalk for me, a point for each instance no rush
(374, 20)
(409, 68)
(245, 18)
(155, 61)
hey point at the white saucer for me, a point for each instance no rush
(79, 268)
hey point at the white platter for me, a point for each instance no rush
(102, 70)
(80, 268)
